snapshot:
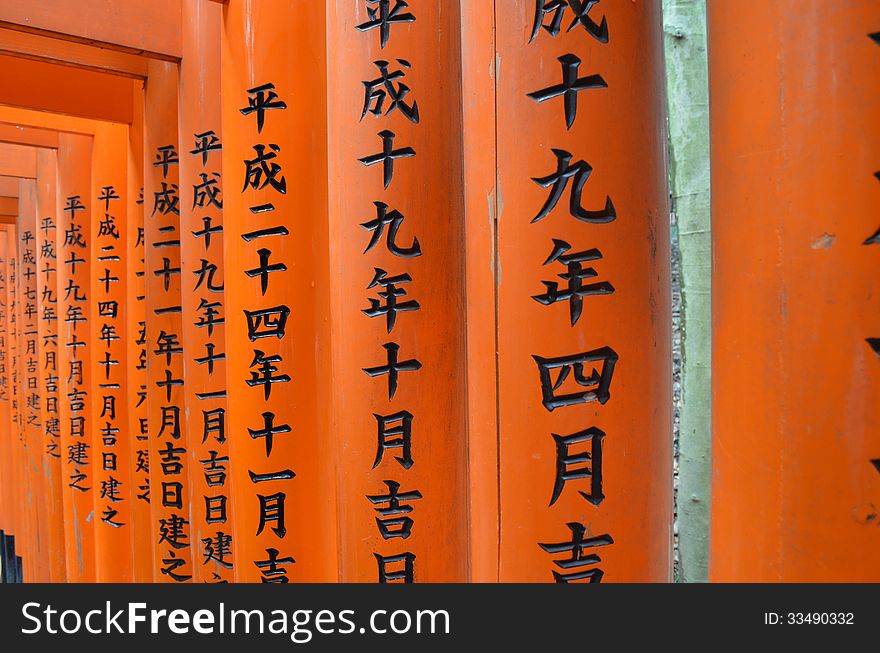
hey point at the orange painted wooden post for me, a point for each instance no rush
(276, 300)
(73, 248)
(480, 228)
(584, 463)
(201, 225)
(796, 326)
(7, 472)
(37, 566)
(396, 227)
(23, 530)
(114, 544)
(136, 349)
(169, 484)
(47, 344)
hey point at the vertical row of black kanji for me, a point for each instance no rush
(168, 471)
(385, 95)
(266, 320)
(591, 370)
(75, 299)
(109, 325)
(206, 370)
(28, 272)
(33, 485)
(47, 306)
(137, 374)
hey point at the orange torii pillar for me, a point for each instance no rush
(114, 533)
(73, 247)
(169, 484)
(37, 567)
(567, 212)
(396, 225)
(201, 254)
(796, 325)
(8, 480)
(47, 327)
(278, 372)
(22, 516)
(136, 349)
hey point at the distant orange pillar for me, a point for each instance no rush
(204, 317)
(114, 543)
(23, 531)
(567, 211)
(136, 349)
(48, 372)
(796, 327)
(8, 483)
(36, 563)
(170, 494)
(74, 351)
(276, 301)
(396, 219)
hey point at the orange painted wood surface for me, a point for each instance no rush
(430, 341)
(47, 326)
(68, 53)
(75, 209)
(65, 90)
(15, 524)
(204, 317)
(18, 160)
(7, 472)
(169, 484)
(150, 27)
(44, 120)
(397, 329)
(796, 429)
(583, 303)
(9, 205)
(24, 531)
(9, 188)
(136, 348)
(36, 562)
(24, 135)
(276, 291)
(114, 533)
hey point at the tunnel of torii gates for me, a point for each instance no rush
(379, 291)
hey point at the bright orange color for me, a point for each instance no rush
(63, 89)
(203, 314)
(619, 131)
(37, 567)
(278, 42)
(18, 161)
(44, 120)
(169, 485)
(28, 136)
(74, 343)
(136, 348)
(7, 472)
(150, 27)
(22, 528)
(77, 55)
(47, 325)
(9, 205)
(483, 454)
(112, 457)
(431, 400)
(795, 142)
